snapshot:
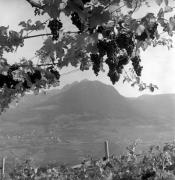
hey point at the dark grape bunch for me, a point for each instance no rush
(136, 65)
(96, 60)
(125, 41)
(122, 61)
(116, 66)
(77, 21)
(102, 47)
(151, 32)
(31, 78)
(55, 25)
(8, 79)
(85, 1)
(114, 76)
(55, 73)
(112, 49)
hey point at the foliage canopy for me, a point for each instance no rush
(105, 35)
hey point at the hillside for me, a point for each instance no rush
(76, 120)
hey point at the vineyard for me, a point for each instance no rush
(157, 163)
(109, 37)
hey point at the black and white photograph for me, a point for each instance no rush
(87, 89)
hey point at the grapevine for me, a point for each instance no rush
(95, 58)
(55, 25)
(136, 65)
(108, 36)
(36, 77)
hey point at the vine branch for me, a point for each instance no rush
(38, 35)
(35, 4)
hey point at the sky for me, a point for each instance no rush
(158, 63)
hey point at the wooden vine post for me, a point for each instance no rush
(107, 150)
(3, 168)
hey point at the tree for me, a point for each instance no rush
(105, 35)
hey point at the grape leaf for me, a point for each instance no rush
(166, 2)
(98, 16)
(15, 38)
(47, 50)
(27, 26)
(59, 50)
(129, 3)
(160, 14)
(159, 2)
(76, 6)
(52, 8)
(168, 9)
(3, 30)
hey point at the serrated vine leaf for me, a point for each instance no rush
(160, 14)
(75, 6)
(129, 3)
(166, 2)
(47, 50)
(168, 9)
(159, 2)
(52, 8)
(28, 26)
(98, 16)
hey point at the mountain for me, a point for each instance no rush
(75, 121)
(88, 97)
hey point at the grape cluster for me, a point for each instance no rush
(116, 66)
(148, 175)
(136, 65)
(32, 79)
(55, 73)
(151, 32)
(125, 41)
(77, 21)
(114, 76)
(112, 49)
(102, 47)
(96, 60)
(85, 1)
(8, 81)
(142, 37)
(55, 25)
(122, 61)
(100, 29)
(34, 76)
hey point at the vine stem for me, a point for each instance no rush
(38, 35)
(118, 9)
(35, 4)
(48, 34)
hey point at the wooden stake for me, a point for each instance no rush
(107, 150)
(3, 168)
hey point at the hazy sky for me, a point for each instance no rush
(159, 62)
